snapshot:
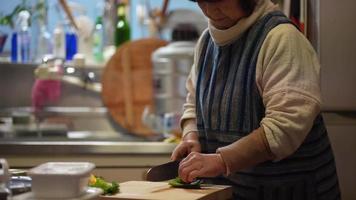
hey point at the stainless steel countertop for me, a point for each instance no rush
(83, 147)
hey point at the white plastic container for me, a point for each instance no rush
(60, 179)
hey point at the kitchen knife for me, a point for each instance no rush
(163, 172)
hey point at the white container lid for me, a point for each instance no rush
(175, 50)
(62, 169)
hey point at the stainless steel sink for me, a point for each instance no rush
(65, 123)
(79, 114)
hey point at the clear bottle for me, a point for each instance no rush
(44, 43)
(59, 41)
(98, 40)
(123, 30)
(44, 46)
(24, 37)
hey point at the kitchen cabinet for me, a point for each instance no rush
(333, 36)
(342, 133)
(337, 54)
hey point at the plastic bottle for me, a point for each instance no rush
(59, 41)
(123, 30)
(71, 43)
(44, 42)
(98, 40)
(14, 47)
(44, 46)
(24, 37)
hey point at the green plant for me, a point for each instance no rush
(8, 20)
(38, 11)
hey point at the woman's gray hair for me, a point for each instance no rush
(247, 5)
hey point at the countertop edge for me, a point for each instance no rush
(84, 147)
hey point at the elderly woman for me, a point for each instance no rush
(252, 116)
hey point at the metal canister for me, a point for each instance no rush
(171, 67)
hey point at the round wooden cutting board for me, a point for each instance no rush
(127, 84)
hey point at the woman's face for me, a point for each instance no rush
(222, 13)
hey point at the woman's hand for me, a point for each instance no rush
(201, 165)
(189, 143)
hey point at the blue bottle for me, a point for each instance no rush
(14, 51)
(71, 44)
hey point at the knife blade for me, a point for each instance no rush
(163, 172)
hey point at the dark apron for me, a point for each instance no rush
(229, 107)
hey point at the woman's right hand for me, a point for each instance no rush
(190, 143)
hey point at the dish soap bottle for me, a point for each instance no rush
(123, 30)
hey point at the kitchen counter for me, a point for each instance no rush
(83, 147)
(114, 160)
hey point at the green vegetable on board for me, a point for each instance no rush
(108, 188)
(179, 183)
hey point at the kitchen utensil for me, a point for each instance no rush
(163, 172)
(164, 10)
(68, 13)
(127, 84)
(60, 179)
(145, 190)
(20, 184)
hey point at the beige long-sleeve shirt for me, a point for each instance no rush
(287, 76)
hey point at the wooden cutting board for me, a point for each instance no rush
(127, 84)
(145, 190)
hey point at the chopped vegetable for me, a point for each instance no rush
(99, 182)
(179, 183)
(172, 139)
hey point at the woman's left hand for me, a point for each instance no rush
(201, 165)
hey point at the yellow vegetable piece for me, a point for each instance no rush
(92, 179)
